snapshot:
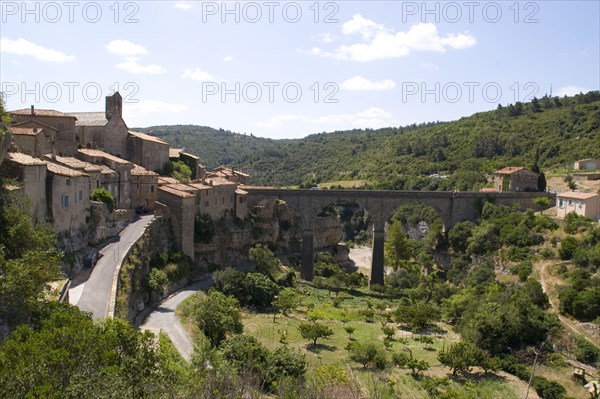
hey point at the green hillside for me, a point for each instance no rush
(554, 131)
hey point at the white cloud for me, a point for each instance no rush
(372, 117)
(431, 66)
(358, 83)
(324, 38)
(183, 5)
(126, 48)
(25, 47)
(369, 118)
(197, 74)
(131, 65)
(358, 24)
(569, 91)
(228, 58)
(382, 43)
(145, 107)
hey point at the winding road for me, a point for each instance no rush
(162, 316)
(94, 293)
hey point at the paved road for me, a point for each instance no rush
(95, 296)
(162, 318)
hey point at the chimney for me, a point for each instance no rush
(114, 105)
(32, 111)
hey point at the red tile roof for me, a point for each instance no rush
(148, 137)
(41, 112)
(577, 195)
(509, 170)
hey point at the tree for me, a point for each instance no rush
(403, 360)
(177, 170)
(368, 354)
(218, 315)
(28, 259)
(284, 363)
(397, 245)
(314, 331)
(287, 300)
(245, 352)
(460, 357)
(349, 330)
(417, 315)
(459, 235)
(264, 259)
(157, 281)
(103, 195)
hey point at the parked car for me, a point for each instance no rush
(143, 210)
(90, 259)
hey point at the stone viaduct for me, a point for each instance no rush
(452, 207)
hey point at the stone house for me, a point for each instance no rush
(583, 204)
(514, 178)
(148, 151)
(144, 187)
(68, 193)
(230, 174)
(33, 138)
(92, 170)
(122, 168)
(65, 134)
(104, 130)
(181, 206)
(31, 173)
(587, 164)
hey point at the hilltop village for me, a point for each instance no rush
(58, 159)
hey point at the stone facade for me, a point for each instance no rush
(144, 184)
(66, 143)
(31, 173)
(123, 173)
(33, 138)
(68, 193)
(515, 179)
(181, 212)
(148, 151)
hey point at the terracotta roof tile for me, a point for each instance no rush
(148, 137)
(174, 152)
(98, 153)
(74, 163)
(63, 170)
(23, 159)
(40, 112)
(167, 180)
(509, 170)
(140, 171)
(24, 131)
(173, 191)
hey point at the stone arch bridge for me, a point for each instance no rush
(452, 207)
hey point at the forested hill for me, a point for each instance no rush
(552, 131)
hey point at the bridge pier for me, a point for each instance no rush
(377, 260)
(307, 270)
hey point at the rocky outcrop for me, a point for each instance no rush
(272, 223)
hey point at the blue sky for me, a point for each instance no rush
(288, 69)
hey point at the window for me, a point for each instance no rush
(580, 204)
(152, 188)
(561, 203)
(68, 182)
(80, 195)
(97, 183)
(570, 202)
(65, 201)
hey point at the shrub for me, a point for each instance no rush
(103, 195)
(157, 281)
(368, 354)
(204, 228)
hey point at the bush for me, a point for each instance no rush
(586, 352)
(103, 195)
(157, 281)
(568, 247)
(548, 389)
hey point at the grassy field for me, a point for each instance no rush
(318, 304)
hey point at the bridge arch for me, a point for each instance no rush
(452, 207)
